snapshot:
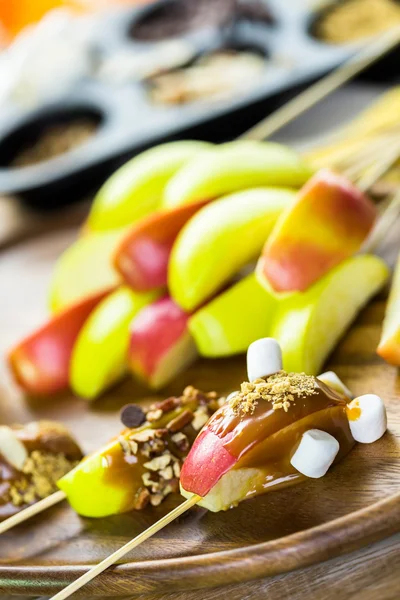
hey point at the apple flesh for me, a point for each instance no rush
(135, 190)
(84, 269)
(143, 255)
(236, 457)
(219, 240)
(100, 354)
(217, 328)
(389, 345)
(40, 363)
(309, 324)
(232, 167)
(328, 223)
(160, 344)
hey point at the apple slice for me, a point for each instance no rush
(328, 223)
(117, 478)
(40, 363)
(143, 255)
(389, 346)
(232, 167)
(219, 240)
(84, 269)
(241, 454)
(309, 324)
(218, 331)
(99, 357)
(135, 190)
(160, 343)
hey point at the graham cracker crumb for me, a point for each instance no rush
(281, 389)
(41, 471)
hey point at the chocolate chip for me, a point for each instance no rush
(132, 415)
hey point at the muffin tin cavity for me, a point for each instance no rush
(49, 136)
(174, 18)
(350, 21)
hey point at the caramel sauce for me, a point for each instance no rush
(125, 471)
(354, 413)
(243, 432)
(272, 456)
(47, 436)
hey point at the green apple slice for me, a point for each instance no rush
(100, 355)
(87, 488)
(309, 324)
(217, 328)
(84, 269)
(136, 189)
(232, 167)
(220, 239)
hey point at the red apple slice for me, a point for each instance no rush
(40, 363)
(328, 223)
(142, 256)
(160, 343)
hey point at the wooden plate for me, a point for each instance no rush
(356, 504)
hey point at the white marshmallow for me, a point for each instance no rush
(264, 357)
(330, 378)
(11, 448)
(367, 418)
(315, 454)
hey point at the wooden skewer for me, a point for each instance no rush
(383, 225)
(367, 158)
(113, 558)
(312, 95)
(367, 173)
(31, 511)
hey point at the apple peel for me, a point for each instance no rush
(328, 223)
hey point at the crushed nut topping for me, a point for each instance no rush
(281, 389)
(40, 474)
(162, 450)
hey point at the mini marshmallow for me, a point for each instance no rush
(367, 418)
(315, 454)
(330, 378)
(11, 448)
(264, 357)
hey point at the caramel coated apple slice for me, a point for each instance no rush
(247, 446)
(142, 465)
(32, 459)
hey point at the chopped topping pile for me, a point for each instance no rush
(163, 442)
(39, 476)
(281, 389)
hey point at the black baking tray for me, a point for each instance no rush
(127, 121)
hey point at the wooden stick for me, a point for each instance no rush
(134, 543)
(379, 167)
(312, 95)
(31, 511)
(383, 225)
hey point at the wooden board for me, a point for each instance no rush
(356, 504)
